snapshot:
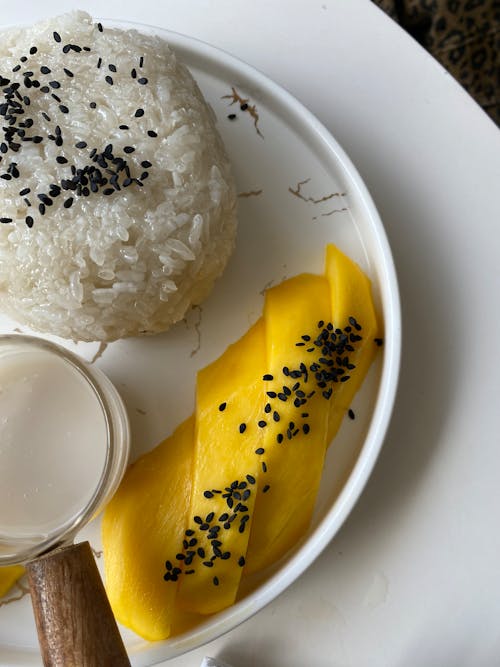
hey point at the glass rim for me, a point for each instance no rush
(66, 531)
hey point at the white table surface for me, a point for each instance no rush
(413, 577)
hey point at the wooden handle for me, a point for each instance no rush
(75, 624)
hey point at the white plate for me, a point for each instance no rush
(298, 192)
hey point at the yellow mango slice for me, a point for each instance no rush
(225, 471)
(142, 525)
(234, 488)
(9, 574)
(351, 298)
(295, 445)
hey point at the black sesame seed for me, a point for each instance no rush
(45, 199)
(6, 177)
(271, 394)
(81, 144)
(129, 149)
(54, 84)
(262, 423)
(133, 73)
(112, 68)
(29, 221)
(99, 27)
(24, 191)
(276, 416)
(108, 191)
(264, 466)
(260, 450)
(146, 164)
(378, 341)
(44, 89)
(16, 68)
(243, 428)
(63, 108)
(92, 105)
(266, 488)
(152, 133)
(306, 428)
(267, 377)
(351, 414)
(208, 494)
(139, 113)
(123, 127)
(279, 438)
(66, 48)
(143, 81)
(56, 36)
(5, 221)
(231, 116)
(41, 208)
(61, 160)
(250, 479)
(68, 202)
(109, 80)
(222, 407)
(216, 581)
(141, 61)
(23, 59)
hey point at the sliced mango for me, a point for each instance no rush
(295, 445)
(234, 488)
(351, 298)
(225, 472)
(142, 525)
(9, 574)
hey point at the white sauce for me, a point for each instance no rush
(52, 443)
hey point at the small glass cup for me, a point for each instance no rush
(110, 465)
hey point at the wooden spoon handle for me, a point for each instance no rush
(75, 624)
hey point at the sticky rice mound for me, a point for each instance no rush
(117, 201)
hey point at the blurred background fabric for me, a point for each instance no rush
(463, 35)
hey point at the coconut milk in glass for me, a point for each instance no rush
(54, 444)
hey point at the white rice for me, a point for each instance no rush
(130, 262)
